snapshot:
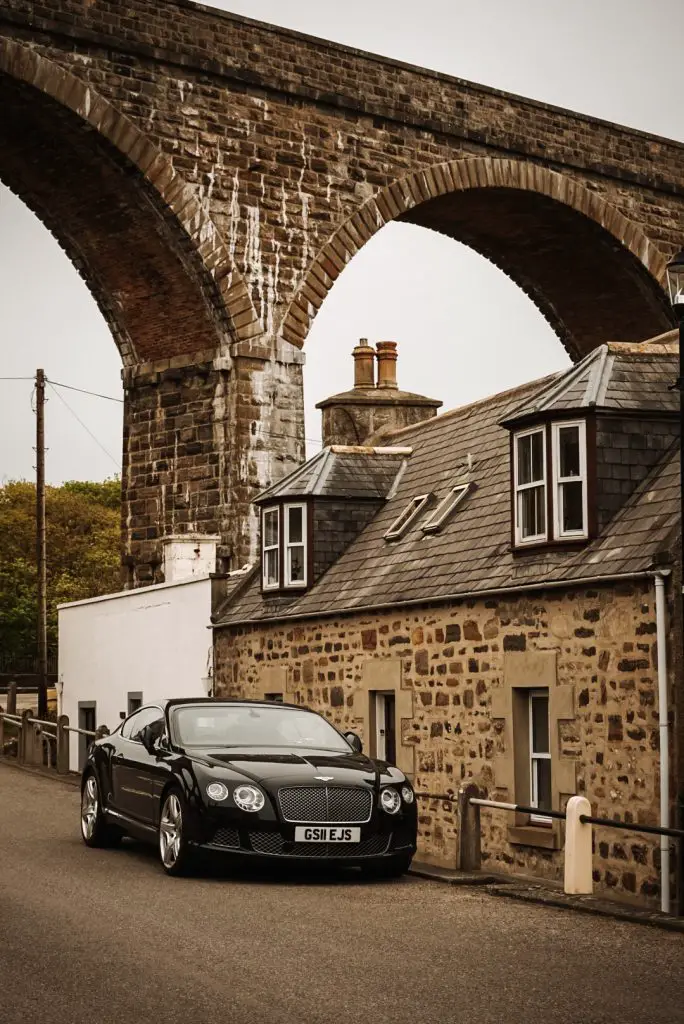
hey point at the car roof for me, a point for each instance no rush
(179, 701)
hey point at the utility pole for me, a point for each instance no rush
(41, 558)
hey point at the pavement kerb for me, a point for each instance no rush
(449, 877)
(587, 905)
(546, 896)
(72, 779)
(494, 885)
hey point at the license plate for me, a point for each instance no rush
(327, 834)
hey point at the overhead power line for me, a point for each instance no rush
(87, 429)
(83, 391)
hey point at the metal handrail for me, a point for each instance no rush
(81, 732)
(435, 796)
(40, 721)
(586, 819)
(656, 830)
(12, 718)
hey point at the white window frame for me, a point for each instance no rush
(271, 547)
(518, 489)
(406, 517)
(297, 544)
(558, 480)
(445, 508)
(537, 819)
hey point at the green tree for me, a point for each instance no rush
(83, 537)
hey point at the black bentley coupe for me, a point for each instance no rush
(252, 779)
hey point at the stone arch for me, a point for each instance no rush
(149, 252)
(592, 272)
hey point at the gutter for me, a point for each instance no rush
(464, 595)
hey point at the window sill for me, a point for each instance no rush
(534, 835)
(566, 543)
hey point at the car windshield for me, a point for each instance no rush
(248, 725)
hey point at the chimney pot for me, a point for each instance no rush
(387, 364)
(364, 364)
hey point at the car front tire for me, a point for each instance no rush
(174, 851)
(95, 830)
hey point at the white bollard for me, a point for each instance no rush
(578, 855)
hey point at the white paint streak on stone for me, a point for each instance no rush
(283, 205)
(234, 213)
(253, 257)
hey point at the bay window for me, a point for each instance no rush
(570, 479)
(295, 546)
(284, 546)
(270, 533)
(550, 483)
(530, 486)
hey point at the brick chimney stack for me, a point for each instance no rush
(364, 364)
(387, 364)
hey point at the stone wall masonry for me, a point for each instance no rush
(284, 137)
(185, 468)
(211, 177)
(452, 662)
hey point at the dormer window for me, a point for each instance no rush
(284, 546)
(530, 486)
(550, 483)
(570, 479)
(270, 539)
(295, 546)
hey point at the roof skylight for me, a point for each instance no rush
(445, 508)
(404, 520)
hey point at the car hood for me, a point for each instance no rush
(289, 766)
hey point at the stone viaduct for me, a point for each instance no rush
(211, 176)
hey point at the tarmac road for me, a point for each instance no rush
(104, 936)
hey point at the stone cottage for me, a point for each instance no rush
(474, 593)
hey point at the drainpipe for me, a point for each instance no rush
(661, 639)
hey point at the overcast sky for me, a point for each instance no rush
(464, 330)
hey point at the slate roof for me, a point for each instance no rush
(341, 471)
(472, 552)
(618, 375)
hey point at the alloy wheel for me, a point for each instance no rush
(170, 831)
(89, 807)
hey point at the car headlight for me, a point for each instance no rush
(390, 801)
(407, 794)
(217, 791)
(249, 798)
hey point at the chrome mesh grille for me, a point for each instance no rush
(272, 843)
(226, 837)
(372, 847)
(334, 804)
(266, 842)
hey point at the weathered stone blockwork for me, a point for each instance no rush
(455, 663)
(184, 470)
(211, 177)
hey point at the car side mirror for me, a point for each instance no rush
(354, 741)
(148, 740)
(151, 739)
